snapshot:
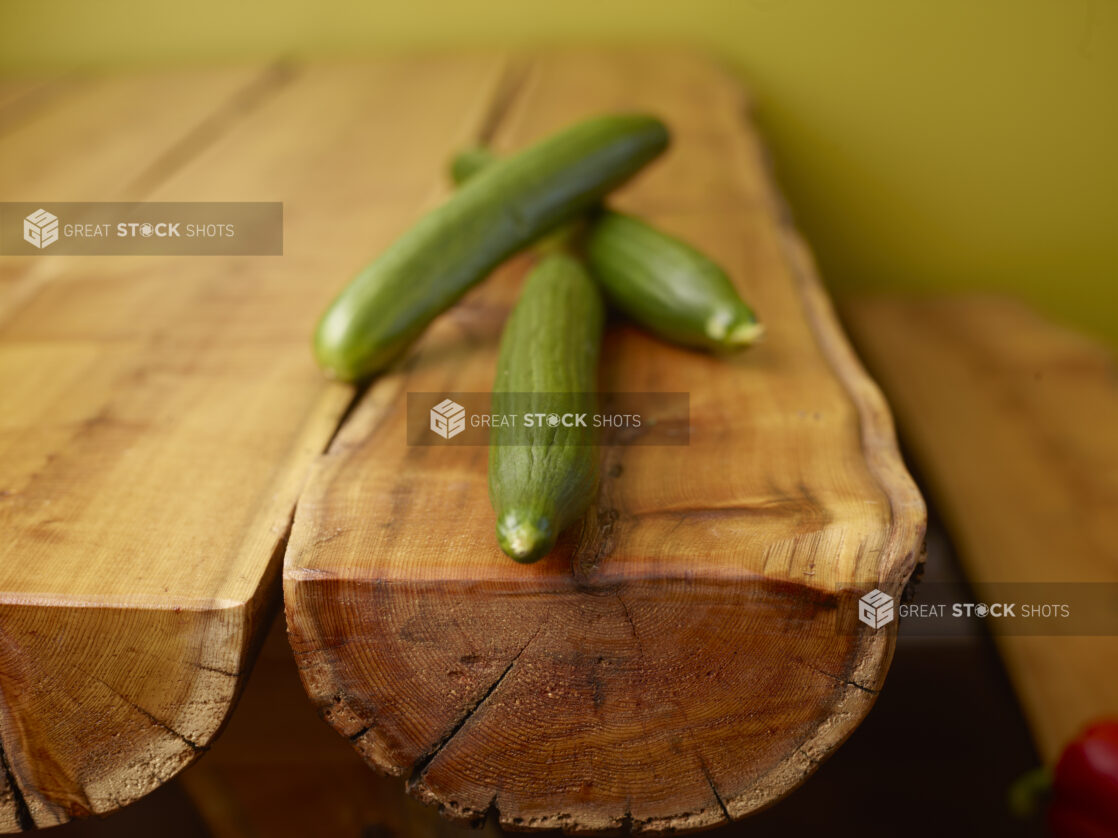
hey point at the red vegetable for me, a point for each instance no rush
(1085, 785)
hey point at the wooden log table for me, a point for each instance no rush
(691, 652)
(686, 656)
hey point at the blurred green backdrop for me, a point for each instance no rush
(924, 144)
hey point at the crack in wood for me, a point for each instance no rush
(359, 392)
(632, 626)
(511, 82)
(840, 680)
(212, 128)
(147, 714)
(215, 669)
(812, 761)
(714, 789)
(491, 811)
(627, 818)
(24, 819)
(355, 737)
(425, 760)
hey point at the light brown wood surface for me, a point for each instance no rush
(1013, 424)
(157, 414)
(690, 652)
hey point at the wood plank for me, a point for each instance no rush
(93, 135)
(1011, 420)
(107, 138)
(158, 416)
(676, 662)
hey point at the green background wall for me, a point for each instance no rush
(923, 145)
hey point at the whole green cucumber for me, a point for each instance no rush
(514, 202)
(668, 286)
(542, 478)
(662, 283)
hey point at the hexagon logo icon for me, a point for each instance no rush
(448, 419)
(875, 609)
(40, 228)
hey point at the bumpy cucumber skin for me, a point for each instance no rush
(550, 346)
(666, 285)
(500, 211)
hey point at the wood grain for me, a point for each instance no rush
(159, 413)
(248, 781)
(1011, 420)
(684, 657)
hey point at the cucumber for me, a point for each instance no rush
(514, 202)
(662, 283)
(668, 286)
(541, 480)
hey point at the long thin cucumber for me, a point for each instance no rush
(542, 478)
(662, 283)
(514, 202)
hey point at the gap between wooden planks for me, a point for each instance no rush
(1012, 421)
(307, 781)
(677, 661)
(157, 415)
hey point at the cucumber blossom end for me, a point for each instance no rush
(729, 330)
(745, 334)
(525, 540)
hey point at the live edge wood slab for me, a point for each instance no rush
(690, 652)
(158, 414)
